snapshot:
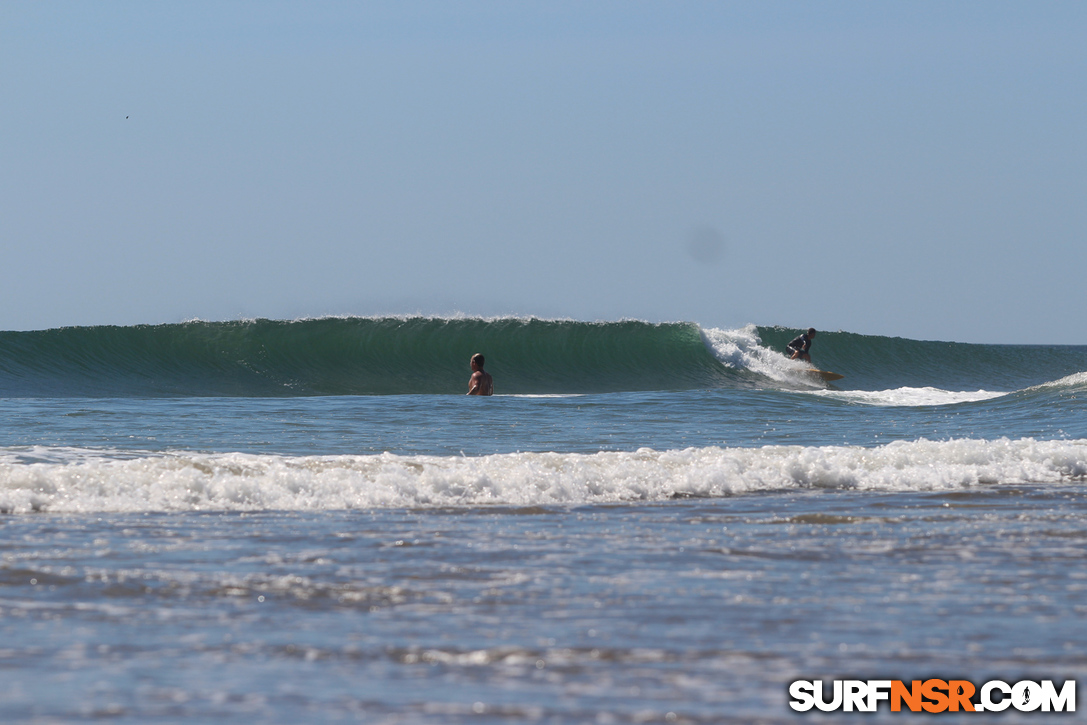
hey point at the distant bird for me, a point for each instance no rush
(126, 116)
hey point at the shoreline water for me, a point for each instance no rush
(626, 612)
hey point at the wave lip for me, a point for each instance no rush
(74, 481)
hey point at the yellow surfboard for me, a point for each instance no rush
(826, 375)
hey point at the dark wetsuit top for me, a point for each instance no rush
(800, 343)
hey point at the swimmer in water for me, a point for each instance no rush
(481, 382)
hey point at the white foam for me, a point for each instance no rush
(539, 395)
(906, 397)
(1075, 380)
(98, 481)
(743, 349)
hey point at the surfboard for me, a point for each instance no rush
(826, 375)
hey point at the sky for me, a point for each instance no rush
(912, 169)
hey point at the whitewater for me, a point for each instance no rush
(308, 520)
(98, 482)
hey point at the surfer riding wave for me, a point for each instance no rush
(800, 345)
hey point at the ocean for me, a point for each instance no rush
(308, 521)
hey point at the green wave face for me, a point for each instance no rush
(355, 356)
(428, 355)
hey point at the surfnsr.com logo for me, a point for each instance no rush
(934, 696)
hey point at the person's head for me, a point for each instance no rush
(477, 361)
(811, 332)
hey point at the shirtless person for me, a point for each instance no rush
(800, 345)
(481, 382)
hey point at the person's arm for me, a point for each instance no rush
(474, 383)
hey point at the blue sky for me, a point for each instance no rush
(909, 169)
